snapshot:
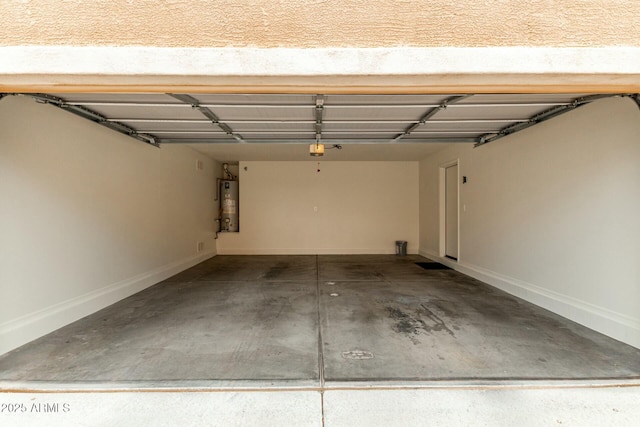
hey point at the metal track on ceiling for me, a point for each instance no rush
(305, 119)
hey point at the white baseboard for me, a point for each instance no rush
(24, 329)
(603, 320)
(342, 251)
(314, 251)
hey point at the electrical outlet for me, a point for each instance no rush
(199, 165)
(200, 246)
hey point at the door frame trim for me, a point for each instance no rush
(442, 208)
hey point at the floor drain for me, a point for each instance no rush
(333, 294)
(357, 355)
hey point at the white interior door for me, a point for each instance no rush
(451, 212)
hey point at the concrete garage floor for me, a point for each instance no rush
(320, 324)
(378, 318)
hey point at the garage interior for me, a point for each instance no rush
(533, 277)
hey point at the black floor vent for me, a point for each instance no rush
(432, 266)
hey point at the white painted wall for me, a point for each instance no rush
(89, 216)
(552, 215)
(362, 207)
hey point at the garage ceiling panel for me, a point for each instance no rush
(423, 101)
(121, 113)
(443, 135)
(160, 98)
(519, 98)
(364, 125)
(374, 119)
(494, 112)
(279, 136)
(149, 126)
(477, 126)
(256, 99)
(193, 134)
(370, 113)
(265, 113)
(240, 127)
(360, 135)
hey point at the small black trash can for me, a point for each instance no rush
(401, 247)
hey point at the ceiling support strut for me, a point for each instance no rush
(319, 112)
(432, 112)
(95, 117)
(188, 99)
